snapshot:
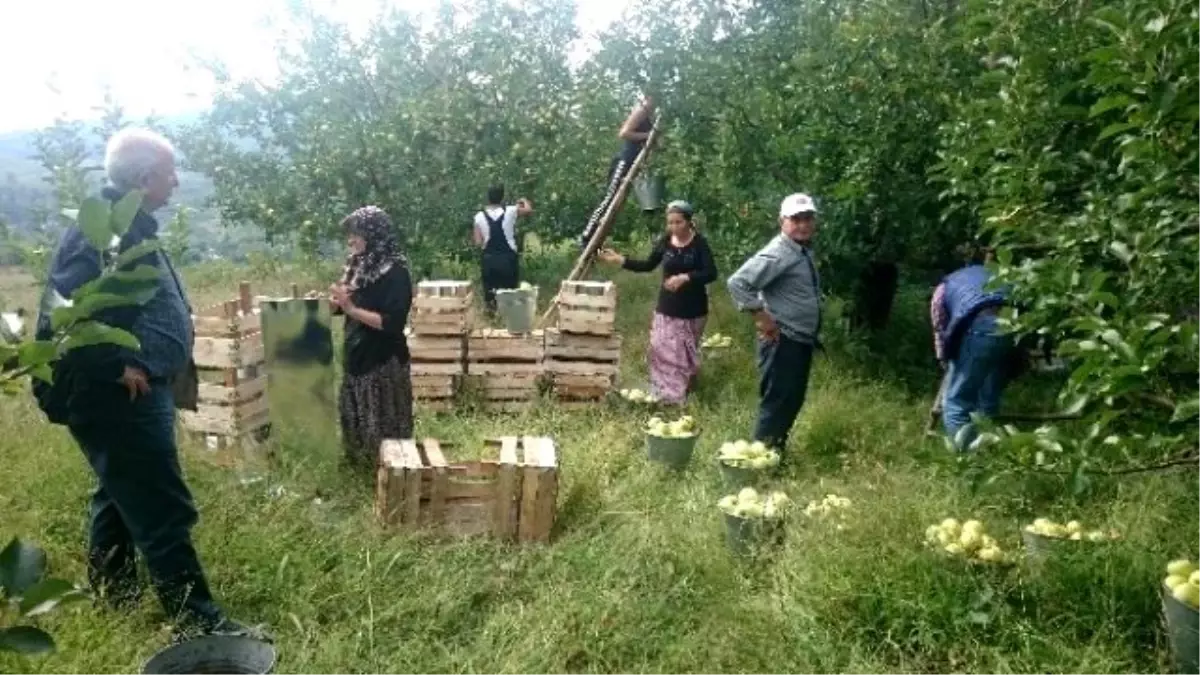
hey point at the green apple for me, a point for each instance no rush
(1194, 578)
(990, 554)
(951, 525)
(1074, 526)
(970, 539)
(747, 494)
(931, 533)
(1188, 594)
(727, 503)
(945, 537)
(1181, 567)
(1174, 580)
(954, 548)
(1096, 535)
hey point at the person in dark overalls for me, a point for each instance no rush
(496, 233)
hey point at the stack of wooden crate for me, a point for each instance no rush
(441, 316)
(511, 499)
(504, 367)
(583, 354)
(229, 355)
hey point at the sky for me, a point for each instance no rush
(60, 56)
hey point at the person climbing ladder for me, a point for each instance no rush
(633, 134)
(496, 233)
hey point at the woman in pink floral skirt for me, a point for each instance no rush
(679, 318)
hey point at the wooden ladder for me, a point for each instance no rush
(584, 263)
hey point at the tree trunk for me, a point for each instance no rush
(877, 286)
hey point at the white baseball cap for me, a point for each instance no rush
(796, 204)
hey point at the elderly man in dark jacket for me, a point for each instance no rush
(119, 404)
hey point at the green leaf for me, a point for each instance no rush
(1114, 129)
(72, 214)
(1075, 405)
(21, 565)
(1121, 250)
(43, 372)
(95, 333)
(1186, 410)
(25, 640)
(47, 595)
(1108, 103)
(137, 251)
(119, 277)
(93, 222)
(1156, 24)
(38, 351)
(124, 211)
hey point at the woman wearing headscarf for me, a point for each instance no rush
(678, 324)
(374, 294)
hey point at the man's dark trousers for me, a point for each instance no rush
(783, 367)
(142, 502)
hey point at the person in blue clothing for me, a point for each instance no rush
(970, 345)
(119, 404)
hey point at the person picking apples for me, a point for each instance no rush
(780, 287)
(633, 134)
(970, 345)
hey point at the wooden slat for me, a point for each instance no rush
(437, 368)
(528, 523)
(412, 483)
(395, 496)
(601, 380)
(443, 288)
(582, 353)
(557, 368)
(209, 352)
(505, 526)
(439, 476)
(557, 338)
(227, 419)
(532, 369)
(576, 324)
(243, 391)
(391, 453)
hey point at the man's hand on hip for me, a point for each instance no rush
(768, 330)
(135, 381)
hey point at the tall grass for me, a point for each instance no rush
(637, 577)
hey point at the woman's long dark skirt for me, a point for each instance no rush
(375, 406)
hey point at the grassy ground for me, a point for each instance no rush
(638, 577)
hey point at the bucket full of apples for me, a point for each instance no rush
(743, 464)
(1180, 598)
(671, 443)
(753, 521)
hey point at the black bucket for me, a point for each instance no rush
(226, 654)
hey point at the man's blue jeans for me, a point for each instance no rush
(976, 381)
(142, 504)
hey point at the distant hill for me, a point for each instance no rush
(23, 192)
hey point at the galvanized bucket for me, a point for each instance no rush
(518, 308)
(750, 536)
(1183, 630)
(649, 188)
(214, 654)
(736, 477)
(673, 452)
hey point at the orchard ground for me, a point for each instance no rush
(637, 577)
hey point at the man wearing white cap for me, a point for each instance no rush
(779, 285)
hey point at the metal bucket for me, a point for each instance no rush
(214, 654)
(518, 308)
(1183, 631)
(737, 477)
(649, 188)
(749, 536)
(673, 452)
(1038, 548)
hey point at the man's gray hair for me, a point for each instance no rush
(131, 154)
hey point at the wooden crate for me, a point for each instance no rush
(513, 498)
(582, 367)
(437, 366)
(232, 409)
(505, 368)
(442, 308)
(587, 307)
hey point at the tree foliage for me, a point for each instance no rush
(1065, 133)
